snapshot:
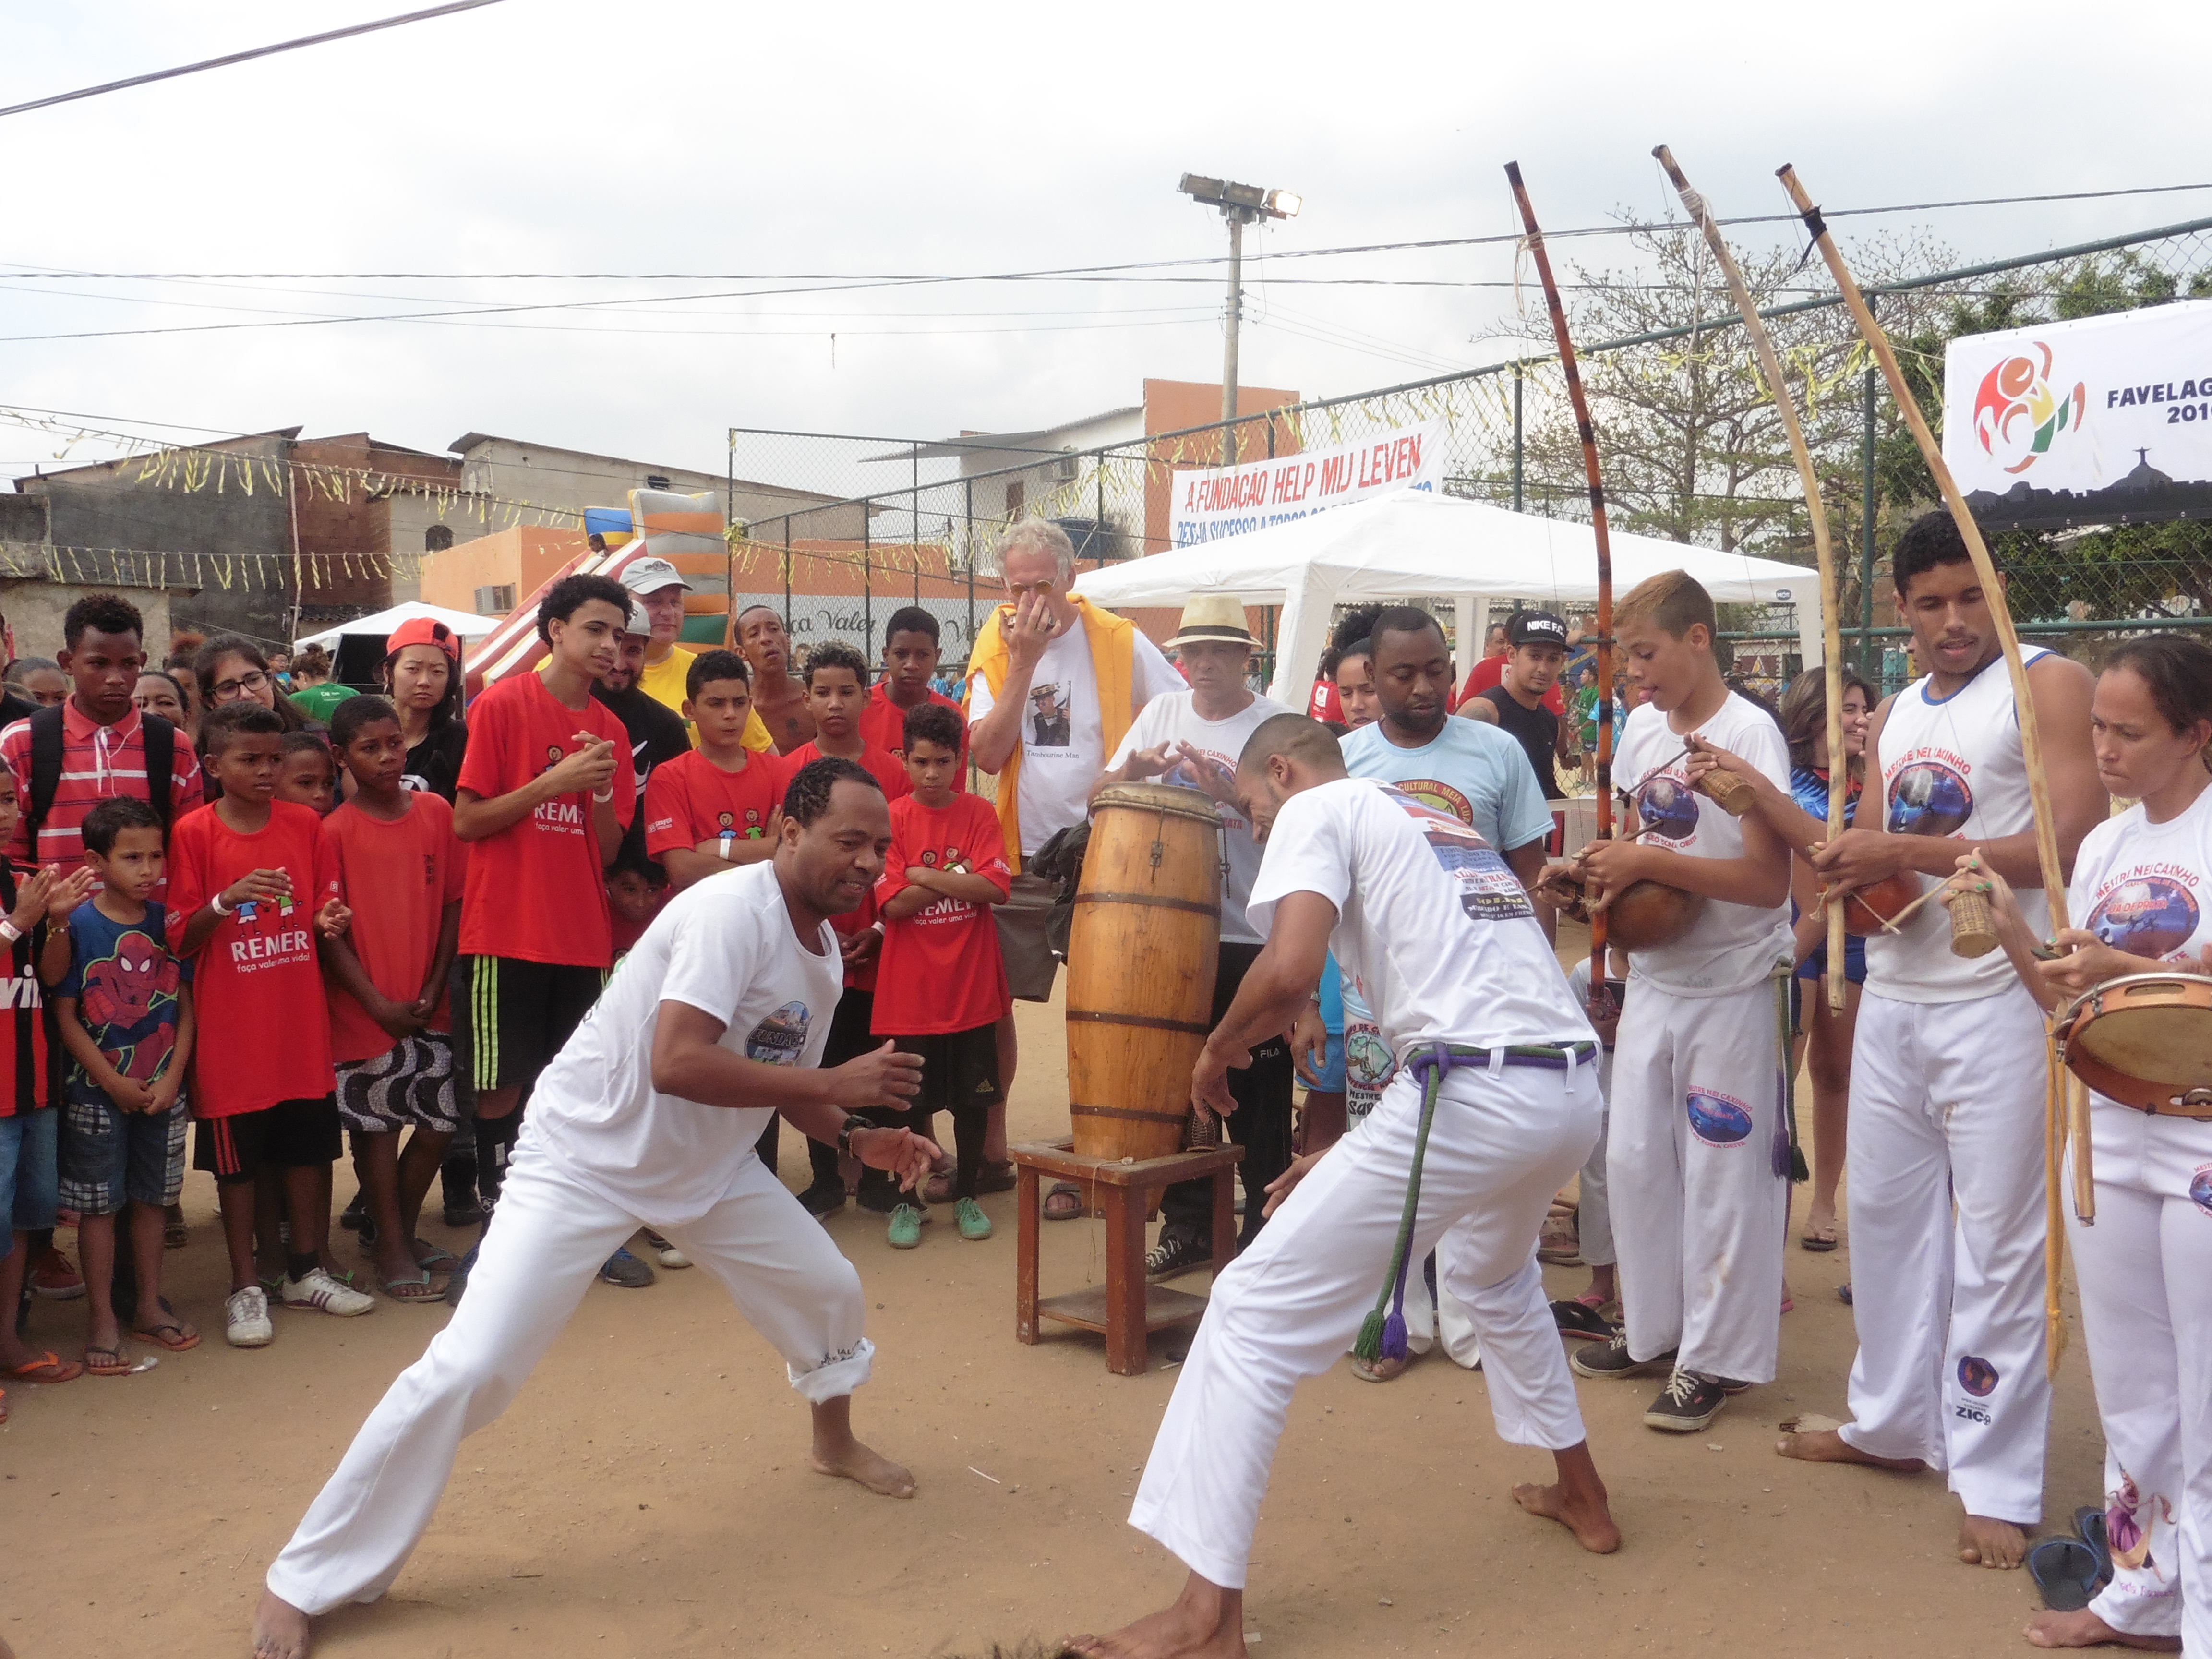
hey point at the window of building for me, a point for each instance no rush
(437, 538)
(496, 601)
(1015, 497)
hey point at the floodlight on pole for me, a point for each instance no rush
(1241, 205)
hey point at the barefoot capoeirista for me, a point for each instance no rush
(1984, 1542)
(835, 1452)
(1577, 1501)
(1828, 1446)
(2083, 1629)
(280, 1630)
(1207, 1621)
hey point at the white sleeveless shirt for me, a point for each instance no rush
(1953, 767)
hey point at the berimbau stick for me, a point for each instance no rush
(2031, 743)
(1808, 480)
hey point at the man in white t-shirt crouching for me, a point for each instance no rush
(712, 1022)
(1498, 1058)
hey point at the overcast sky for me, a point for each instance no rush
(749, 142)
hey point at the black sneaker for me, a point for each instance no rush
(1686, 1404)
(465, 1212)
(881, 1197)
(355, 1216)
(1611, 1360)
(630, 1271)
(824, 1198)
(1176, 1253)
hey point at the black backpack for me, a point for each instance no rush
(46, 769)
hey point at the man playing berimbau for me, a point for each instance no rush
(714, 1020)
(1495, 1104)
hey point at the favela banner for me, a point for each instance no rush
(2104, 420)
(1228, 500)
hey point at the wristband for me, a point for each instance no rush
(9, 930)
(878, 928)
(216, 905)
(603, 797)
(729, 840)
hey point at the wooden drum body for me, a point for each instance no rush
(1141, 958)
(2144, 1040)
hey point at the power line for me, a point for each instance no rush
(1068, 272)
(245, 57)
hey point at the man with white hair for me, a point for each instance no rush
(1046, 752)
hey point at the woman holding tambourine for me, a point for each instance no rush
(2142, 885)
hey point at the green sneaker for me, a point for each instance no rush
(974, 1224)
(905, 1232)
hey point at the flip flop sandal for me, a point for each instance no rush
(169, 1334)
(2089, 1525)
(2065, 1573)
(1063, 1202)
(1578, 1320)
(1818, 1242)
(435, 1259)
(48, 1367)
(107, 1362)
(415, 1288)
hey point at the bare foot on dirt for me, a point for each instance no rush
(1586, 1517)
(1204, 1622)
(1986, 1543)
(2085, 1629)
(1827, 1446)
(855, 1462)
(280, 1630)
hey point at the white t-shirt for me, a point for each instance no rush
(2146, 887)
(1732, 946)
(1173, 718)
(725, 946)
(1063, 741)
(1433, 929)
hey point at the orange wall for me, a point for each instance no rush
(525, 556)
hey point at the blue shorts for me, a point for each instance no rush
(108, 1155)
(29, 1181)
(1332, 1069)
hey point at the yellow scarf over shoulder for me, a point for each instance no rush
(1113, 646)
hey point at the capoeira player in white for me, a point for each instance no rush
(1945, 1159)
(714, 1021)
(2141, 900)
(1426, 917)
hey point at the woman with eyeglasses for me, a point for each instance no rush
(229, 667)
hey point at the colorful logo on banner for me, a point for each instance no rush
(2018, 413)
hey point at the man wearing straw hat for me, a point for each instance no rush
(1045, 755)
(1192, 738)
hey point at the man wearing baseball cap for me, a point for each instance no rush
(660, 588)
(1536, 649)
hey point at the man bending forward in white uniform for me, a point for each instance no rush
(1433, 929)
(715, 1021)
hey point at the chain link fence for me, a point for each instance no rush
(1687, 436)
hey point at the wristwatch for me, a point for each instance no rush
(852, 1126)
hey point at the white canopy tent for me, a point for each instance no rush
(466, 624)
(1418, 545)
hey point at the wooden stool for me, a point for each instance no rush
(1125, 1308)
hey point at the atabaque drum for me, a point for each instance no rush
(1141, 956)
(2144, 1040)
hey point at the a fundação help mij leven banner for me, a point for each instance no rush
(1216, 501)
(2103, 420)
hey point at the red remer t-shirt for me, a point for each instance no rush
(882, 723)
(538, 890)
(257, 982)
(878, 761)
(404, 871)
(940, 969)
(690, 799)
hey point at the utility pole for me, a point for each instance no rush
(1241, 205)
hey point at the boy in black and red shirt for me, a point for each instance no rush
(941, 984)
(720, 805)
(252, 880)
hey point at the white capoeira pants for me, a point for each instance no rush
(1698, 1211)
(1443, 1316)
(1501, 1144)
(2146, 1276)
(543, 1250)
(1945, 1166)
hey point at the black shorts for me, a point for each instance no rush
(511, 1017)
(848, 1036)
(959, 1069)
(292, 1135)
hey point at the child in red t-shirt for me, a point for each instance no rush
(253, 881)
(941, 986)
(308, 776)
(912, 648)
(836, 692)
(721, 804)
(390, 1039)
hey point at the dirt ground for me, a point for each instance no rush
(648, 1492)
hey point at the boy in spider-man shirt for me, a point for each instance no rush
(125, 1013)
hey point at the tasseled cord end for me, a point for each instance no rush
(1369, 1347)
(1395, 1346)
